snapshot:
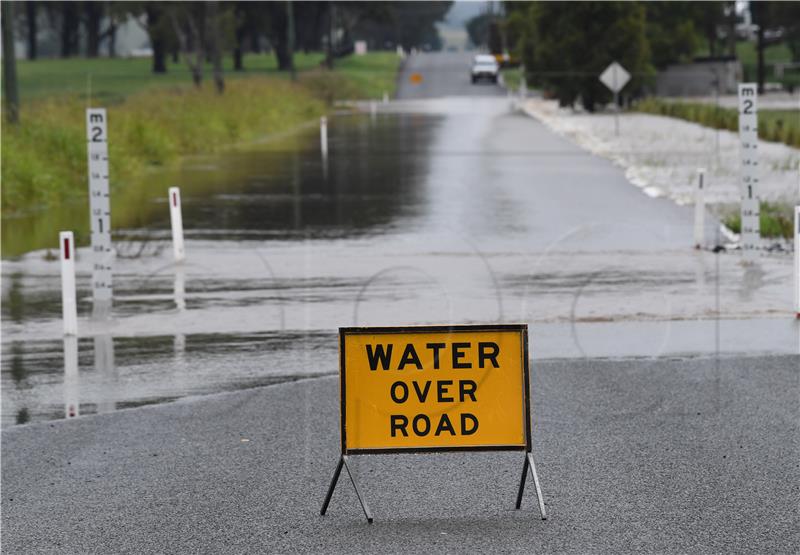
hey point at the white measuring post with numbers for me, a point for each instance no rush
(69, 305)
(748, 149)
(100, 211)
(699, 210)
(323, 136)
(176, 219)
(797, 261)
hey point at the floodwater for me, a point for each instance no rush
(448, 211)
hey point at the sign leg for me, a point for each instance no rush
(539, 495)
(526, 465)
(522, 483)
(332, 486)
(361, 500)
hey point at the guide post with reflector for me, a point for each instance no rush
(699, 210)
(69, 305)
(323, 136)
(176, 218)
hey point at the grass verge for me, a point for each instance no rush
(781, 126)
(777, 220)
(154, 121)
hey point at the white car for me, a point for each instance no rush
(484, 66)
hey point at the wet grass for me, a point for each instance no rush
(777, 220)
(781, 126)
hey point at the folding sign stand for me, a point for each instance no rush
(528, 464)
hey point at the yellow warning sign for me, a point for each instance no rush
(434, 388)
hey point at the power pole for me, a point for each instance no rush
(10, 90)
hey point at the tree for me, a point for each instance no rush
(189, 22)
(32, 28)
(767, 16)
(478, 29)
(574, 42)
(671, 32)
(10, 92)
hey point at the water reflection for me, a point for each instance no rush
(104, 366)
(71, 377)
(179, 287)
(18, 372)
(247, 193)
(16, 301)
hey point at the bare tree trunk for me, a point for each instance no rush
(216, 44)
(94, 13)
(154, 15)
(237, 50)
(69, 29)
(184, 38)
(33, 30)
(10, 92)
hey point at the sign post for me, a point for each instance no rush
(748, 136)
(323, 136)
(100, 211)
(615, 77)
(699, 211)
(432, 389)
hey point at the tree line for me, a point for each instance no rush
(204, 31)
(564, 46)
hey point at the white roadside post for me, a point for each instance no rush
(385, 97)
(797, 261)
(615, 77)
(699, 211)
(373, 108)
(748, 135)
(323, 136)
(100, 211)
(176, 218)
(69, 305)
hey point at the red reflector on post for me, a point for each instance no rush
(66, 248)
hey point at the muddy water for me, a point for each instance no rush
(454, 210)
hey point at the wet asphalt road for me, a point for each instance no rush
(443, 74)
(661, 456)
(492, 218)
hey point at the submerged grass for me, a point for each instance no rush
(777, 220)
(781, 126)
(153, 122)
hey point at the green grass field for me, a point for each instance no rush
(112, 80)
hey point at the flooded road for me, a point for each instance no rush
(441, 210)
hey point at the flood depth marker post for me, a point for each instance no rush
(69, 305)
(468, 390)
(176, 219)
(748, 136)
(699, 211)
(100, 211)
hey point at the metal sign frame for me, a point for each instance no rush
(528, 464)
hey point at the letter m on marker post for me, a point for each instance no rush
(379, 354)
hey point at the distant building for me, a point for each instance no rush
(702, 77)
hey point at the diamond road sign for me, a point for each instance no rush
(615, 77)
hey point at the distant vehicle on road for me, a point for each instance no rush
(484, 66)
